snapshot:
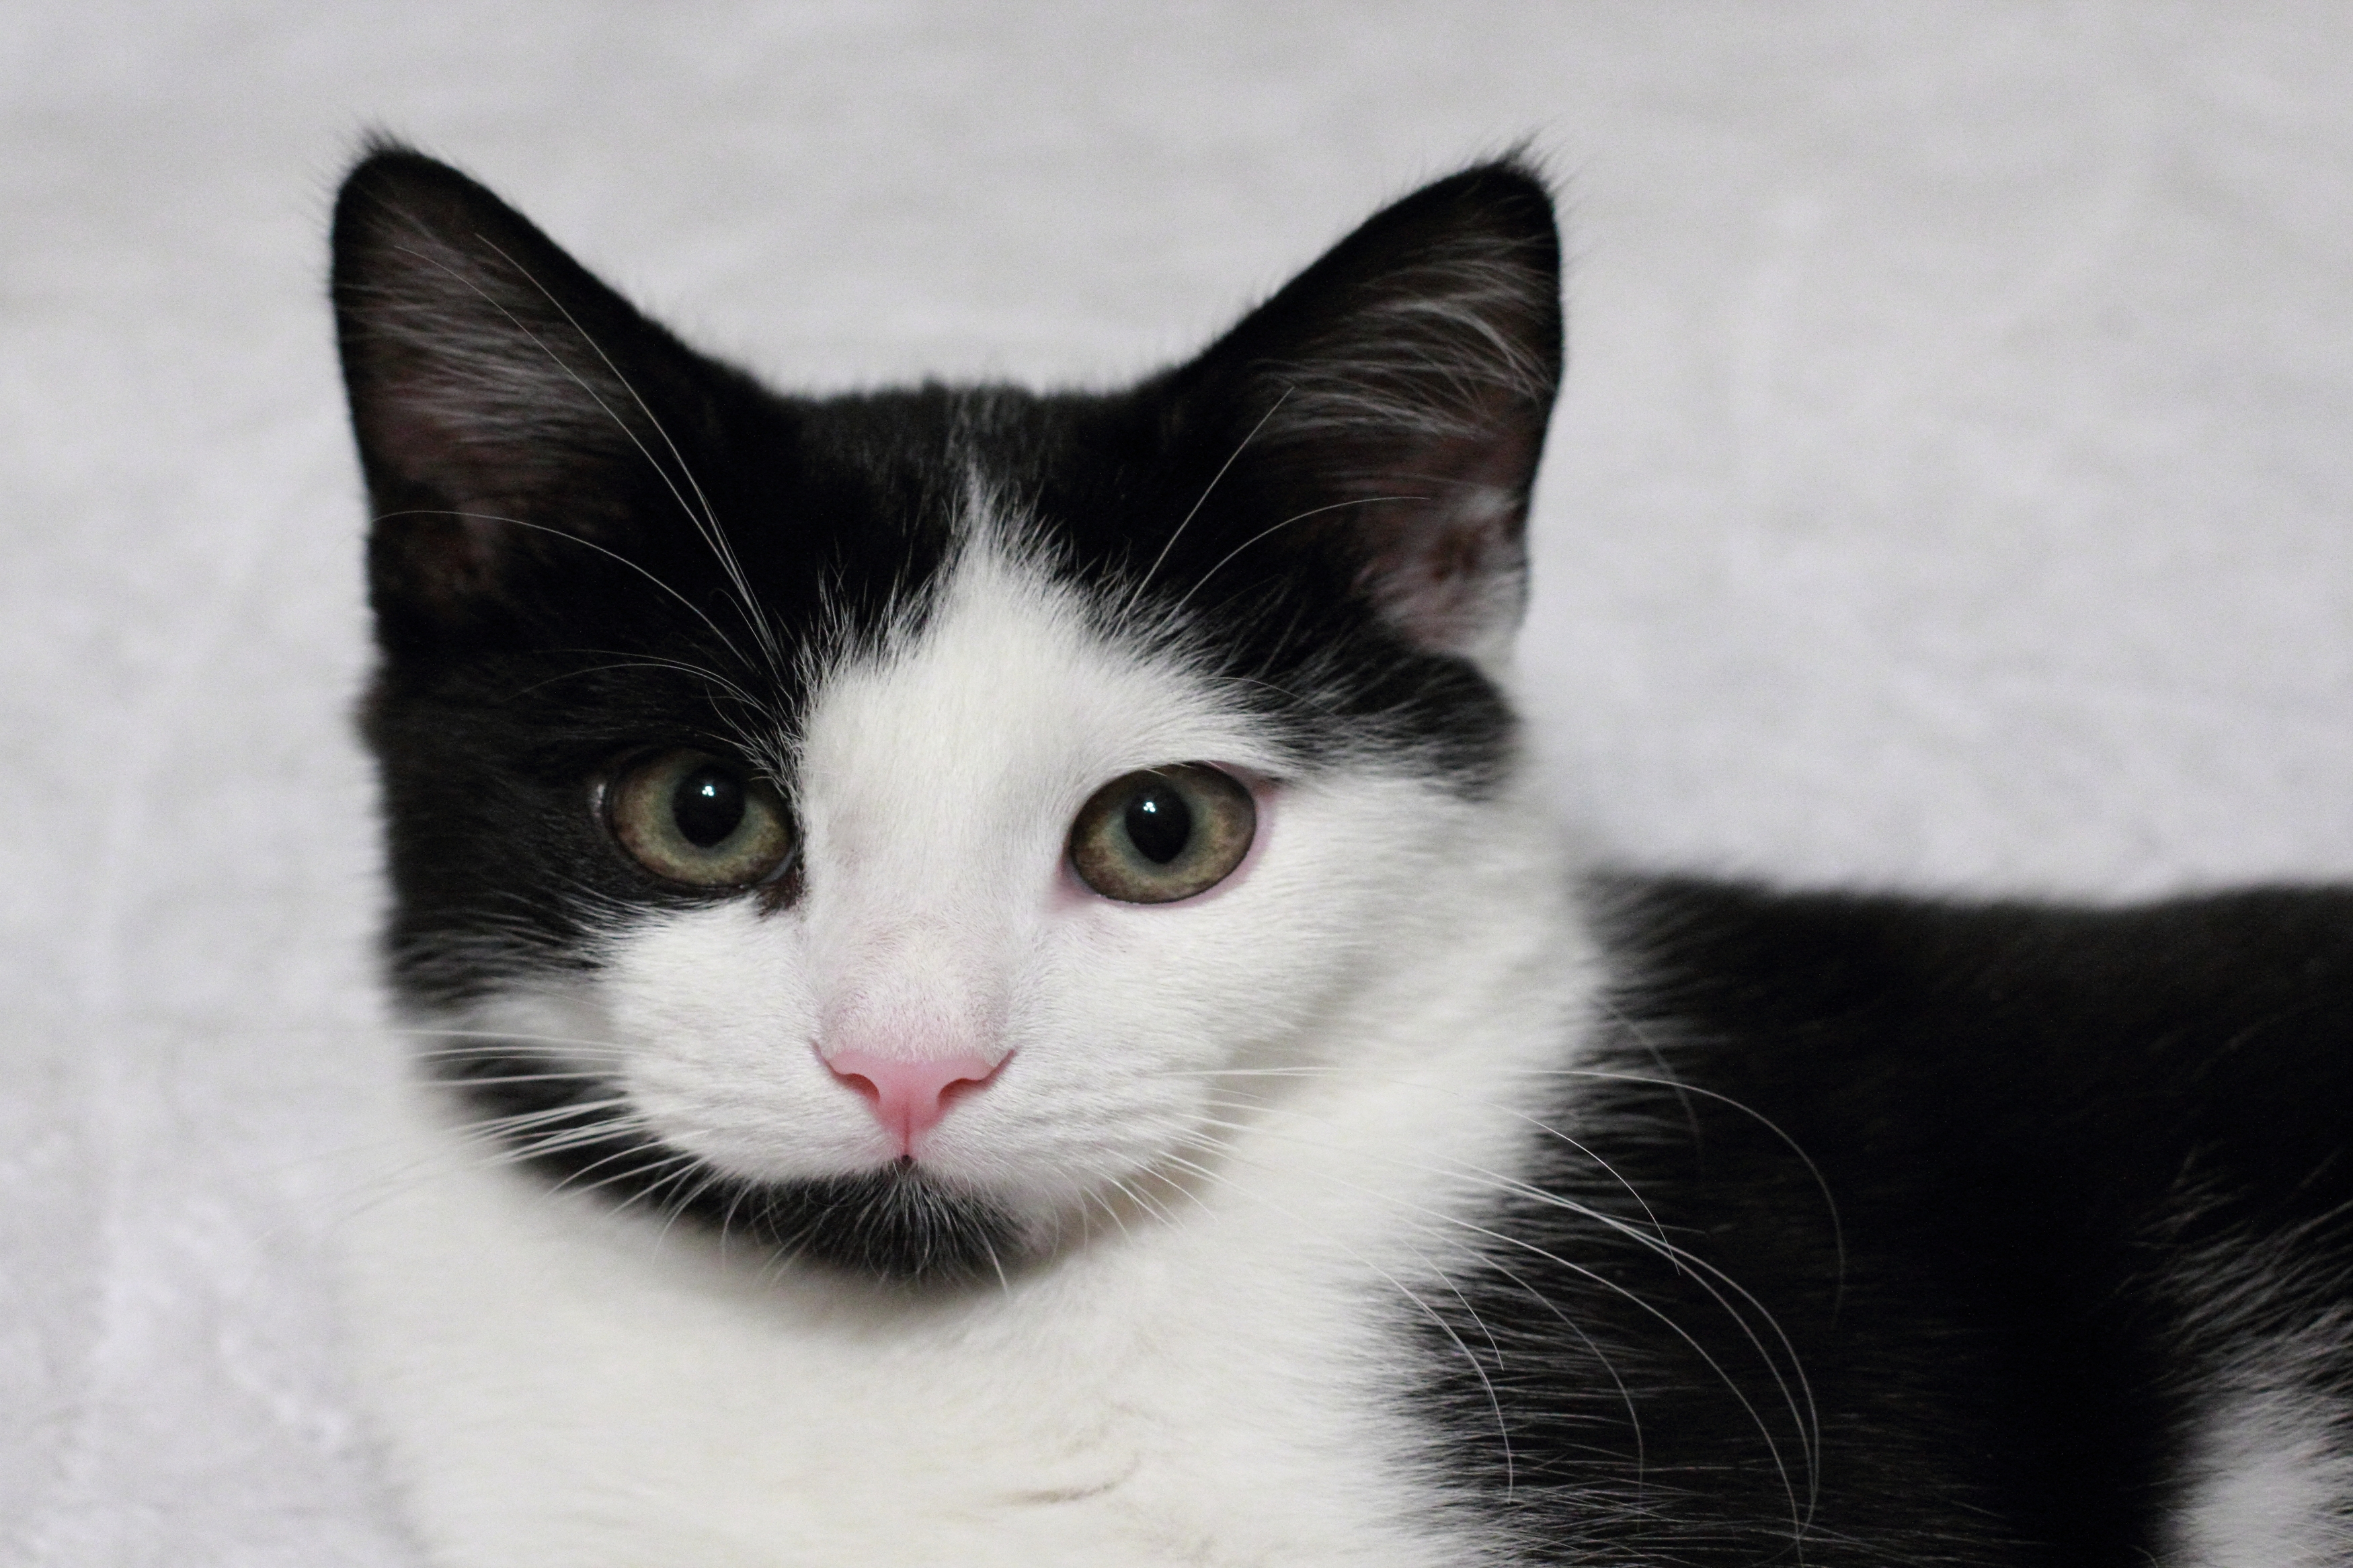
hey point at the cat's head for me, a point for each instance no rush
(878, 823)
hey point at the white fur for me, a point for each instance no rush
(2273, 1487)
(1202, 1367)
(2269, 1478)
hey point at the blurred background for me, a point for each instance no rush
(1954, 491)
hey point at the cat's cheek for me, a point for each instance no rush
(717, 1014)
(1046, 1141)
(1141, 1008)
(1104, 1076)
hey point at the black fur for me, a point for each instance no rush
(1955, 1191)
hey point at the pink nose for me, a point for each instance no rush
(909, 1097)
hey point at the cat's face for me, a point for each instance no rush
(880, 825)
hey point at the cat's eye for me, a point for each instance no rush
(1165, 834)
(690, 817)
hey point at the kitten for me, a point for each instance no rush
(997, 990)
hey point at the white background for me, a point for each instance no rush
(1954, 489)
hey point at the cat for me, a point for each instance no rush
(994, 987)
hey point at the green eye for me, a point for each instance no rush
(1165, 834)
(690, 817)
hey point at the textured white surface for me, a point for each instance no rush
(1955, 489)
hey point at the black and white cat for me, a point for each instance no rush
(997, 990)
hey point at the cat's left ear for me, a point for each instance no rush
(1388, 405)
(524, 429)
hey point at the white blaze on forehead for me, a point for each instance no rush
(936, 786)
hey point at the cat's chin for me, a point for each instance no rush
(896, 1224)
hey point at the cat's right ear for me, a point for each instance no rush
(1385, 410)
(513, 414)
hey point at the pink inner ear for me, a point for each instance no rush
(442, 559)
(1446, 565)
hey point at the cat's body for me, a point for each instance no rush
(929, 1155)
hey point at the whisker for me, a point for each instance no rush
(704, 1179)
(1111, 1213)
(473, 1080)
(1625, 1394)
(705, 525)
(645, 661)
(1800, 1401)
(629, 1173)
(586, 544)
(1540, 1125)
(1598, 1075)
(503, 1037)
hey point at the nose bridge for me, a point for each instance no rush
(911, 901)
(923, 768)
(910, 825)
(936, 833)
(924, 848)
(923, 773)
(913, 984)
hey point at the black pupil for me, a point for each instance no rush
(1159, 823)
(708, 806)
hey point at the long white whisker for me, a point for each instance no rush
(1603, 1075)
(616, 660)
(1801, 1402)
(1542, 1126)
(1625, 1394)
(472, 1080)
(1802, 1413)
(701, 526)
(505, 1043)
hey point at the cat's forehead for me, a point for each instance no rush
(1012, 686)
